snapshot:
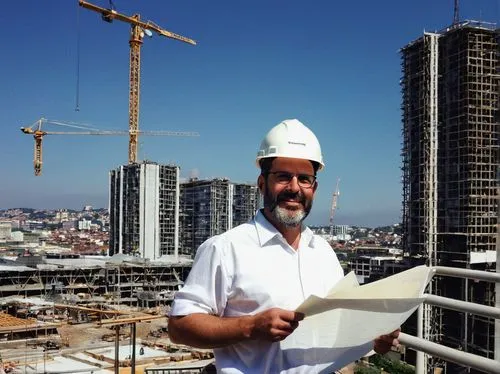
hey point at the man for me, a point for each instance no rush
(240, 295)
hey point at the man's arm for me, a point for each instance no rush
(209, 331)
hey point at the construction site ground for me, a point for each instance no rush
(92, 344)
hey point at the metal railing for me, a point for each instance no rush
(423, 346)
(456, 356)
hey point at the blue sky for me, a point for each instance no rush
(334, 65)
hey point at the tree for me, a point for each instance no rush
(390, 366)
(366, 370)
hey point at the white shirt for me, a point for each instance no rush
(252, 268)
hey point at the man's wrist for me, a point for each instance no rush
(246, 324)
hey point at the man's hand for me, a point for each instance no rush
(203, 330)
(274, 324)
(384, 343)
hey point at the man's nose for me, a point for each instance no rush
(293, 185)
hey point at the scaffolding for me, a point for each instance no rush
(450, 158)
(135, 283)
(144, 210)
(211, 207)
(246, 200)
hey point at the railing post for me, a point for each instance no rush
(420, 359)
(132, 364)
(117, 349)
(466, 359)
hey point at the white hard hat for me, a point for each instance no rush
(291, 138)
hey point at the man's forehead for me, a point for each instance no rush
(294, 163)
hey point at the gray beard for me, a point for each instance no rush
(288, 218)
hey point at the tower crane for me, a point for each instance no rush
(138, 30)
(38, 134)
(335, 196)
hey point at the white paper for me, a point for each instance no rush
(351, 315)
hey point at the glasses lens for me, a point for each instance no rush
(305, 180)
(283, 177)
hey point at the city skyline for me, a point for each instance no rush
(336, 67)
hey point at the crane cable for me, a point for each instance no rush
(78, 37)
(77, 105)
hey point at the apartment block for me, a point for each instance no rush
(144, 210)
(211, 207)
(5, 230)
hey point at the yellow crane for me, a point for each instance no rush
(38, 133)
(138, 30)
(335, 197)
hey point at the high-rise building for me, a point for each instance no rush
(144, 210)
(211, 207)
(246, 201)
(450, 159)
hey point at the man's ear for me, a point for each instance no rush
(261, 182)
(315, 186)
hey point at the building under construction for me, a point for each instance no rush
(72, 279)
(144, 210)
(211, 207)
(450, 162)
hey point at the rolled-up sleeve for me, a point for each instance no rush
(206, 287)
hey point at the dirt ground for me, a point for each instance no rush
(89, 334)
(81, 336)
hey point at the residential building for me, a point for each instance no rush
(211, 207)
(144, 210)
(84, 224)
(450, 160)
(5, 230)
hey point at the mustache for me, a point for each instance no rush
(286, 195)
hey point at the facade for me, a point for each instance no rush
(341, 232)
(211, 207)
(5, 230)
(450, 160)
(144, 210)
(84, 224)
(67, 225)
(17, 236)
(246, 201)
(370, 268)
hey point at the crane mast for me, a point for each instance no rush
(36, 131)
(137, 32)
(135, 81)
(37, 159)
(335, 196)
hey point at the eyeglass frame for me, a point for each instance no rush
(290, 176)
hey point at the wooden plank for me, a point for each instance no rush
(125, 321)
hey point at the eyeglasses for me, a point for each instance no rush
(284, 177)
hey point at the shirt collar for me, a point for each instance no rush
(266, 231)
